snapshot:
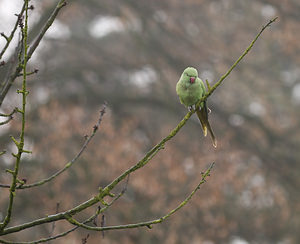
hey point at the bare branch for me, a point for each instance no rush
(33, 47)
(20, 143)
(160, 145)
(6, 121)
(49, 22)
(146, 223)
(223, 77)
(10, 117)
(30, 73)
(70, 163)
(10, 37)
(92, 218)
(53, 224)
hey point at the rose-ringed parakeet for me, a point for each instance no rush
(190, 89)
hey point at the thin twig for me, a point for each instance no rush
(6, 121)
(49, 22)
(32, 49)
(53, 224)
(223, 77)
(70, 163)
(84, 240)
(10, 37)
(93, 217)
(146, 223)
(10, 117)
(30, 73)
(102, 224)
(43, 239)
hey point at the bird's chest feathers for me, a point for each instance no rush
(191, 93)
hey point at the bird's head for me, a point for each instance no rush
(190, 74)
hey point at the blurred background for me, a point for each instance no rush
(131, 54)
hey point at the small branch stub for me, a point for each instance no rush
(5, 36)
(208, 85)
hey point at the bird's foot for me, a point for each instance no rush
(192, 108)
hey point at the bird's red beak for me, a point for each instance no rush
(192, 79)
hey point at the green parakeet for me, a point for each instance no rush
(190, 89)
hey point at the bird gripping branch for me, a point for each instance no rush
(190, 89)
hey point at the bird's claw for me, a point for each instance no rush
(192, 108)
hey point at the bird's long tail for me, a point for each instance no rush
(203, 117)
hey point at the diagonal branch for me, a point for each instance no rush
(99, 211)
(49, 22)
(6, 121)
(8, 116)
(31, 50)
(104, 192)
(70, 163)
(10, 37)
(146, 223)
(160, 145)
(223, 77)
